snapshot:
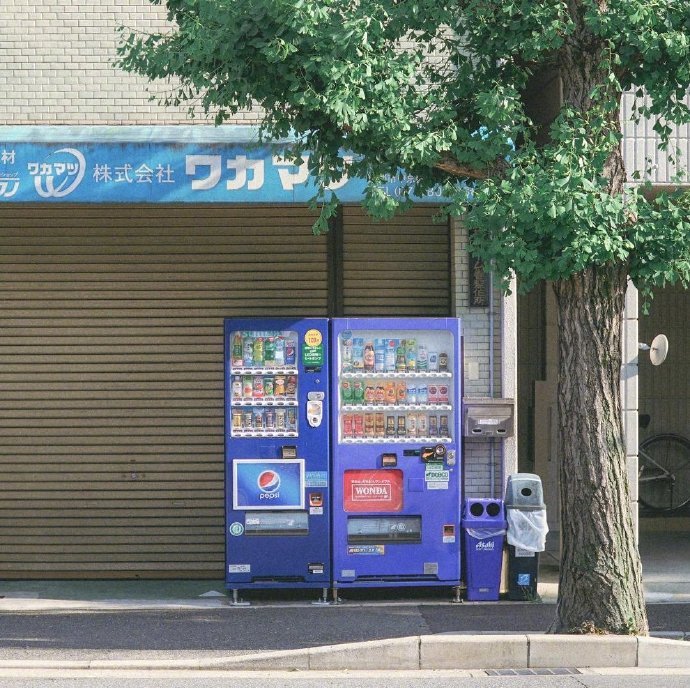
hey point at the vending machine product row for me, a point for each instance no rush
(342, 452)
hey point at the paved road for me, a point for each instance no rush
(241, 630)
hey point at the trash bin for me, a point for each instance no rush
(527, 529)
(484, 527)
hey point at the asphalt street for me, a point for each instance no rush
(242, 630)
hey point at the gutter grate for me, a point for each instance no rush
(532, 672)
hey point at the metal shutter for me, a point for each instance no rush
(111, 376)
(400, 267)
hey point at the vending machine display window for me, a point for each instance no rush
(396, 387)
(264, 383)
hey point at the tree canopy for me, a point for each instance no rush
(437, 89)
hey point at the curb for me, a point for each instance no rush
(427, 652)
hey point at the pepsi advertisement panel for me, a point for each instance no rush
(261, 484)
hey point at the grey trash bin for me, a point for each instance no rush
(527, 529)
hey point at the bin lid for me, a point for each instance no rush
(524, 490)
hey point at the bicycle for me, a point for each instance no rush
(664, 472)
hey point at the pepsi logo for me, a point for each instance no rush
(268, 481)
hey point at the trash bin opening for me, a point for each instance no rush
(477, 509)
(493, 509)
(526, 492)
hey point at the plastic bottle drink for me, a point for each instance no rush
(369, 357)
(346, 355)
(389, 356)
(236, 387)
(346, 392)
(422, 393)
(269, 386)
(389, 392)
(358, 354)
(290, 351)
(400, 360)
(259, 352)
(237, 350)
(248, 353)
(280, 352)
(270, 352)
(380, 355)
(411, 355)
(358, 392)
(411, 393)
(433, 362)
(443, 362)
(247, 386)
(401, 393)
(422, 358)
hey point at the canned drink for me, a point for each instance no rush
(280, 352)
(422, 394)
(346, 354)
(433, 394)
(443, 426)
(258, 387)
(291, 422)
(269, 386)
(279, 385)
(270, 419)
(291, 386)
(432, 364)
(259, 418)
(443, 394)
(358, 392)
(237, 387)
(389, 355)
(290, 351)
(389, 392)
(401, 393)
(422, 425)
(237, 419)
(369, 424)
(358, 422)
(380, 425)
(281, 419)
(346, 392)
(258, 352)
(422, 358)
(357, 354)
(412, 425)
(390, 426)
(443, 362)
(248, 352)
(248, 420)
(369, 393)
(348, 425)
(433, 425)
(380, 355)
(401, 430)
(411, 393)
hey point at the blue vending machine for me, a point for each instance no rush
(396, 451)
(277, 429)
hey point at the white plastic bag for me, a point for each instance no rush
(527, 529)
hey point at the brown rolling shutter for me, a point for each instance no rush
(111, 376)
(399, 267)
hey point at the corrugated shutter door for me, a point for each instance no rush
(399, 267)
(111, 376)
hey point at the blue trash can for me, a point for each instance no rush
(484, 527)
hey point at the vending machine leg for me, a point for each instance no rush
(323, 600)
(237, 601)
(456, 599)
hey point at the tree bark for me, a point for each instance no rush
(600, 587)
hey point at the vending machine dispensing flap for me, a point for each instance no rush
(488, 417)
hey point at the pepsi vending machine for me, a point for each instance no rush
(277, 454)
(396, 451)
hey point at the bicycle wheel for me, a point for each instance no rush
(664, 476)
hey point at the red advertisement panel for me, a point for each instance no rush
(372, 490)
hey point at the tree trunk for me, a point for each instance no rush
(600, 587)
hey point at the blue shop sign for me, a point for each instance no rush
(162, 172)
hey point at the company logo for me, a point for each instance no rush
(269, 484)
(61, 176)
(371, 491)
(485, 546)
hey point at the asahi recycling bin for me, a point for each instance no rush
(484, 528)
(527, 529)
